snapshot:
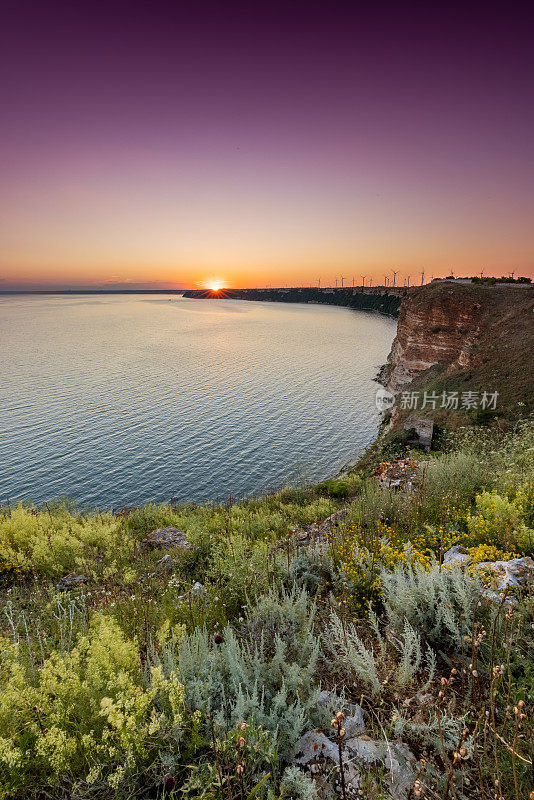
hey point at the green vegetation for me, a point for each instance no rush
(503, 279)
(192, 672)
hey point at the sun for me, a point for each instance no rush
(213, 285)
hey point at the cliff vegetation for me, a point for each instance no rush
(256, 651)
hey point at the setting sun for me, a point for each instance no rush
(213, 284)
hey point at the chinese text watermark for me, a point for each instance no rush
(449, 401)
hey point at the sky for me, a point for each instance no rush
(172, 144)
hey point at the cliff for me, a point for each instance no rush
(458, 337)
(437, 325)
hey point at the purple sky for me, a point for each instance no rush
(162, 144)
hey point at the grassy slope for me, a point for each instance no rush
(141, 611)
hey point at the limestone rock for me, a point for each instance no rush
(167, 563)
(70, 581)
(401, 474)
(314, 746)
(424, 431)
(354, 722)
(516, 572)
(434, 327)
(457, 555)
(165, 538)
(318, 530)
(495, 597)
(319, 757)
(197, 590)
(334, 519)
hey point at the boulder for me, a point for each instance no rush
(495, 597)
(165, 538)
(334, 519)
(70, 581)
(516, 572)
(198, 590)
(314, 746)
(354, 722)
(318, 756)
(167, 563)
(317, 530)
(457, 555)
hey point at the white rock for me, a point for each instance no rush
(315, 745)
(457, 555)
(320, 755)
(165, 538)
(516, 572)
(354, 723)
(495, 597)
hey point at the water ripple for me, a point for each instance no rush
(116, 400)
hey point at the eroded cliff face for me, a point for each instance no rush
(437, 325)
(463, 338)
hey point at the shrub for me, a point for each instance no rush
(488, 552)
(263, 675)
(438, 602)
(295, 785)
(86, 718)
(499, 522)
(451, 481)
(313, 569)
(337, 488)
(362, 564)
(524, 500)
(240, 569)
(246, 746)
(54, 543)
(352, 659)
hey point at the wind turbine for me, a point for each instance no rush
(342, 279)
(363, 277)
(408, 280)
(481, 273)
(394, 275)
(385, 280)
(370, 281)
(511, 274)
(422, 277)
(336, 283)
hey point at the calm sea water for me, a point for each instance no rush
(117, 400)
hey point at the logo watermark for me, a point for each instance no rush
(384, 400)
(449, 401)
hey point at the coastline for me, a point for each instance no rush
(384, 300)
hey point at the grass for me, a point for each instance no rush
(136, 684)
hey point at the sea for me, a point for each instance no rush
(121, 399)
